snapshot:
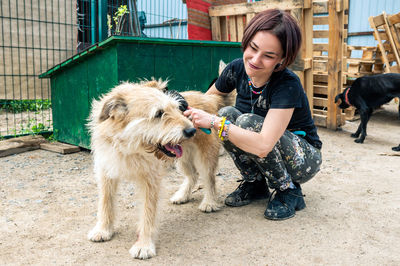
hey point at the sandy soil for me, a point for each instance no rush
(48, 204)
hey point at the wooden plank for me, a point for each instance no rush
(322, 102)
(240, 27)
(320, 120)
(254, 7)
(307, 50)
(59, 147)
(232, 29)
(378, 20)
(320, 20)
(334, 68)
(320, 47)
(380, 45)
(249, 16)
(216, 28)
(321, 89)
(320, 6)
(224, 29)
(320, 66)
(321, 34)
(21, 144)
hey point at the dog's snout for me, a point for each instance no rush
(189, 132)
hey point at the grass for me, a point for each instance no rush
(18, 106)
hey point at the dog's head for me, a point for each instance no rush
(140, 117)
(341, 101)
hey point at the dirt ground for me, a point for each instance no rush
(48, 204)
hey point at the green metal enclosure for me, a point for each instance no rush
(187, 64)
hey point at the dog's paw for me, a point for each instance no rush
(397, 148)
(209, 206)
(141, 250)
(359, 140)
(354, 135)
(99, 235)
(179, 198)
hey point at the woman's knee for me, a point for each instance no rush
(230, 112)
(251, 122)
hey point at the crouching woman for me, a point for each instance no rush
(269, 133)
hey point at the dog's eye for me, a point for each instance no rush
(159, 114)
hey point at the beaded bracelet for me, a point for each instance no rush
(224, 134)
(224, 128)
(213, 121)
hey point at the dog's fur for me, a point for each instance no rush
(135, 128)
(366, 94)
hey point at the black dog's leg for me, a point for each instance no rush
(397, 148)
(365, 116)
(357, 133)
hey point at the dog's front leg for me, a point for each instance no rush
(144, 247)
(207, 174)
(103, 231)
(357, 133)
(365, 116)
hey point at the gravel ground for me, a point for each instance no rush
(48, 204)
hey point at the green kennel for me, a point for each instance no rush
(188, 64)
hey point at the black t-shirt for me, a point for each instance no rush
(284, 90)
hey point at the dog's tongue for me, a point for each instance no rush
(176, 149)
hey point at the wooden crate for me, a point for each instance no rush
(386, 43)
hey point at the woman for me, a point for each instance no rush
(269, 133)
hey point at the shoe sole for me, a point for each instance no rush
(244, 202)
(285, 218)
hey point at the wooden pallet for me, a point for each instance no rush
(386, 44)
(325, 60)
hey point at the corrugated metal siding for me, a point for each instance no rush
(158, 12)
(360, 11)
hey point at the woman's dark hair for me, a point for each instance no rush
(283, 26)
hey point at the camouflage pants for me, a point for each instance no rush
(292, 159)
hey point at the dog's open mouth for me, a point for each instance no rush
(171, 150)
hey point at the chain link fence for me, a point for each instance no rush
(35, 35)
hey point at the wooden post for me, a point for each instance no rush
(307, 47)
(335, 55)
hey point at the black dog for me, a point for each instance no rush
(368, 93)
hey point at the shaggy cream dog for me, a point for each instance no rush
(136, 128)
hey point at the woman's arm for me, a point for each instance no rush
(214, 90)
(260, 144)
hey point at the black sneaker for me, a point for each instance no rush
(247, 192)
(285, 204)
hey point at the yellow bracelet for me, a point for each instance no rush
(221, 126)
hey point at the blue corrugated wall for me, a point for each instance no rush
(360, 11)
(160, 11)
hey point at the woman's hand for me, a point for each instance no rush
(199, 117)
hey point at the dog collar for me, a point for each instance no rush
(346, 96)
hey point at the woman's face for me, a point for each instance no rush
(261, 56)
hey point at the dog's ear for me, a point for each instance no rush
(183, 104)
(151, 83)
(113, 108)
(158, 84)
(338, 99)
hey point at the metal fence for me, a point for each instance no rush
(38, 34)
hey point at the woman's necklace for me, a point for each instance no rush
(252, 91)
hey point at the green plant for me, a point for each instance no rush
(118, 18)
(18, 106)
